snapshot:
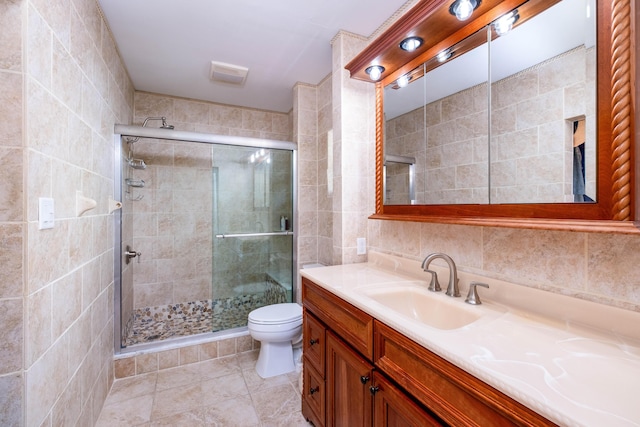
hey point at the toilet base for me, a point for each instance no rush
(275, 358)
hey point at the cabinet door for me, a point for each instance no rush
(392, 408)
(313, 395)
(348, 378)
(313, 344)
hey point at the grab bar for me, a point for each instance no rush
(273, 233)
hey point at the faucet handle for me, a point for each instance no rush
(434, 285)
(472, 296)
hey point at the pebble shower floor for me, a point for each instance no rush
(183, 319)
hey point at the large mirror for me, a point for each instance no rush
(570, 170)
(528, 137)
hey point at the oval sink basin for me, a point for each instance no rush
(424, 306)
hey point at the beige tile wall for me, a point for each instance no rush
(326, 171)
(59, 107)
(353, 152)
(12, 214)
(131, 365)
(599, 267)
(305, 131)
(208, 117)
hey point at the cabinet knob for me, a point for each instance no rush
(313, 341)
(314, 389)
(364, 379)
(373, 389)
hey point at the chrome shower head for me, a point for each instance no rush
(165, 125)
(164, 122)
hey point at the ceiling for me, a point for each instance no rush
(168, 45)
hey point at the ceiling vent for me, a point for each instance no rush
(228, 73)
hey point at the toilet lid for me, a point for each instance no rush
(276, 313)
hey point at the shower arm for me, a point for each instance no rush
(164, 125)
(163, 119)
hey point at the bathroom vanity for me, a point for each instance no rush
(366, 362)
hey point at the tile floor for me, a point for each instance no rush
(218, 392)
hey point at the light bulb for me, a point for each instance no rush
(411, 43)
(444, 55)
(464, 10)
(403, 81)
(375, 72)
(504, 24)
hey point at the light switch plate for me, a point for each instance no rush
(361, 246)
(46, 213)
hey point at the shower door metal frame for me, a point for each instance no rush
(121, 131)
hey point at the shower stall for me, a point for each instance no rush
(206, 232)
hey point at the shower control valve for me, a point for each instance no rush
(128, 254)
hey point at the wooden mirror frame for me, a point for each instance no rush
(614, 209)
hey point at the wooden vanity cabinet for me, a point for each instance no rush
(340, 384)
(360, 372)
(454, 395)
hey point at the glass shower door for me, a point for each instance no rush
(252, 262)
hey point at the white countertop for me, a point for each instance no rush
(573, 361)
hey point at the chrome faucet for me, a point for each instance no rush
(452, 289)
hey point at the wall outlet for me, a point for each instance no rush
(361, 246)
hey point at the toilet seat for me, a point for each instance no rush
(276, 314)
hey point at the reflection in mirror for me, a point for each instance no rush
(539, 90)
(399, 180)
(261, 162)
(580, 191)
(543, 80)
(441, 119)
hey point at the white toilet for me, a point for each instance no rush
(278, 327)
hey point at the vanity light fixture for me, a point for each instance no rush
(375, 72)
(504, 24)
(411, 43)
(444, 55)
(462, 9)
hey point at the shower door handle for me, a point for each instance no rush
(273, 233)
(128, 253)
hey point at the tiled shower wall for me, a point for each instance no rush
(208, 117)
(172, 223)
(62, 87)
